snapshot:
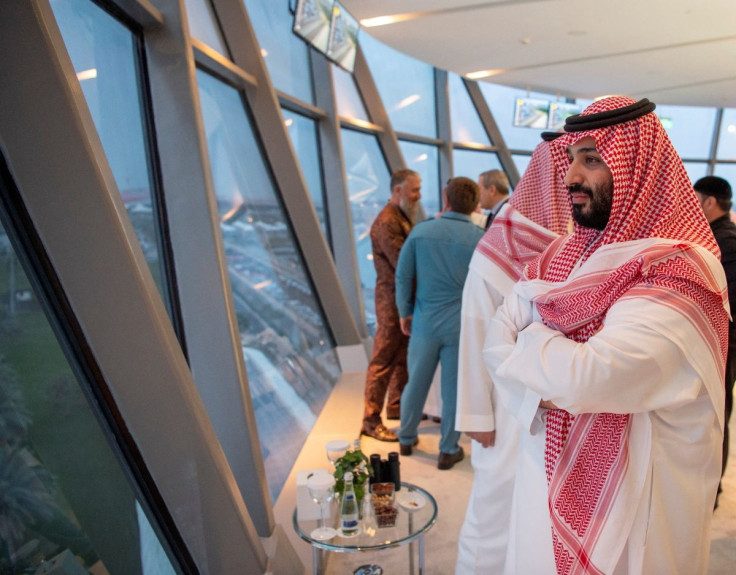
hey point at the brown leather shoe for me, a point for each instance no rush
(447, 460)
(406, 449)
(380, 432)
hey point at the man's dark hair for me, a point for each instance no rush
(399, 177)
(717, 187)
(462, 195)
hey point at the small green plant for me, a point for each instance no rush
(359, 465)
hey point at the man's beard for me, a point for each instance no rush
(599, 209)
(412, 211)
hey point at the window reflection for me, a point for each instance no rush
(727, 172)
(522, 162)
(286, 55)
(727, 139)
(690, 129)
(424, 159)
(203, 26)
(65, 503)
(103, 53)
(466, 125)
(303, 133)
(696, 170)
(349, 102)
(290, 356)
(368, 191)
(406, 86)
(472, 163)
(501, 101)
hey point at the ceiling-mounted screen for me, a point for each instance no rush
(559, 112)
(531, 113)
(312, 22)
(343, 43)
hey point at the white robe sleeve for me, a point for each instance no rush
(500, 344)
(631, 365)
(474, 384)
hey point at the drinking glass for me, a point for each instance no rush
(321, 488)
(336, 449)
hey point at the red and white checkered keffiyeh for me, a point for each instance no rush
(540, 204)
(587, 455)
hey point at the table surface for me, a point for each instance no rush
(403, 532)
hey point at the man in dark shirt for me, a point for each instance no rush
(714, 194)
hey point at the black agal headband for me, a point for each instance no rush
(580, 123)
(549, 136)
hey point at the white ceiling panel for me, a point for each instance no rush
(683, 51)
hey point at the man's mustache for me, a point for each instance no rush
(579, 188)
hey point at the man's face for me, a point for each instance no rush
(590, 185)
(708, 205)
(409, 195)
(486, 195)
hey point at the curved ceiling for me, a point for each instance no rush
(677, 52)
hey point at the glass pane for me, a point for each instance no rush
(727, 172)
(369, 183)
(690, 128)
(286, 55)
(303, 132)
(466, 125)
(289, 353)
(502, 100)
(202, 25)
(522, 162)
(349, 102)
(104, 56)
(471, 164)
(424, 159)
(406, 86)
(727, 138)
(696, 170)
(65, 503)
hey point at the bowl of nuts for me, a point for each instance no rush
(383, 504)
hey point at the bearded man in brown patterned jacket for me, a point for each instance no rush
(387, 373)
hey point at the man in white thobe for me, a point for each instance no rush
(537, 212)
(610, 353)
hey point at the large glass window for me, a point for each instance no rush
(727, 137)
(289, 353)
(369, 185)
(65, 503)
(696, 170)
(349, 102)
(424, 159)
(522, 162)
(466, 125)
(303, 132)
(406, 86)
(203, 25)
(690, 128)
(502, 100)
(727, 172)
(286, 55)
(103, 53)
(472, 163)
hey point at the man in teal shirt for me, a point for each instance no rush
(435, 259)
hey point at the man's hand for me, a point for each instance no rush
(405, 323)
(547, 404)
(485, 438)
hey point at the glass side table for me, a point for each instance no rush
(410, 527)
